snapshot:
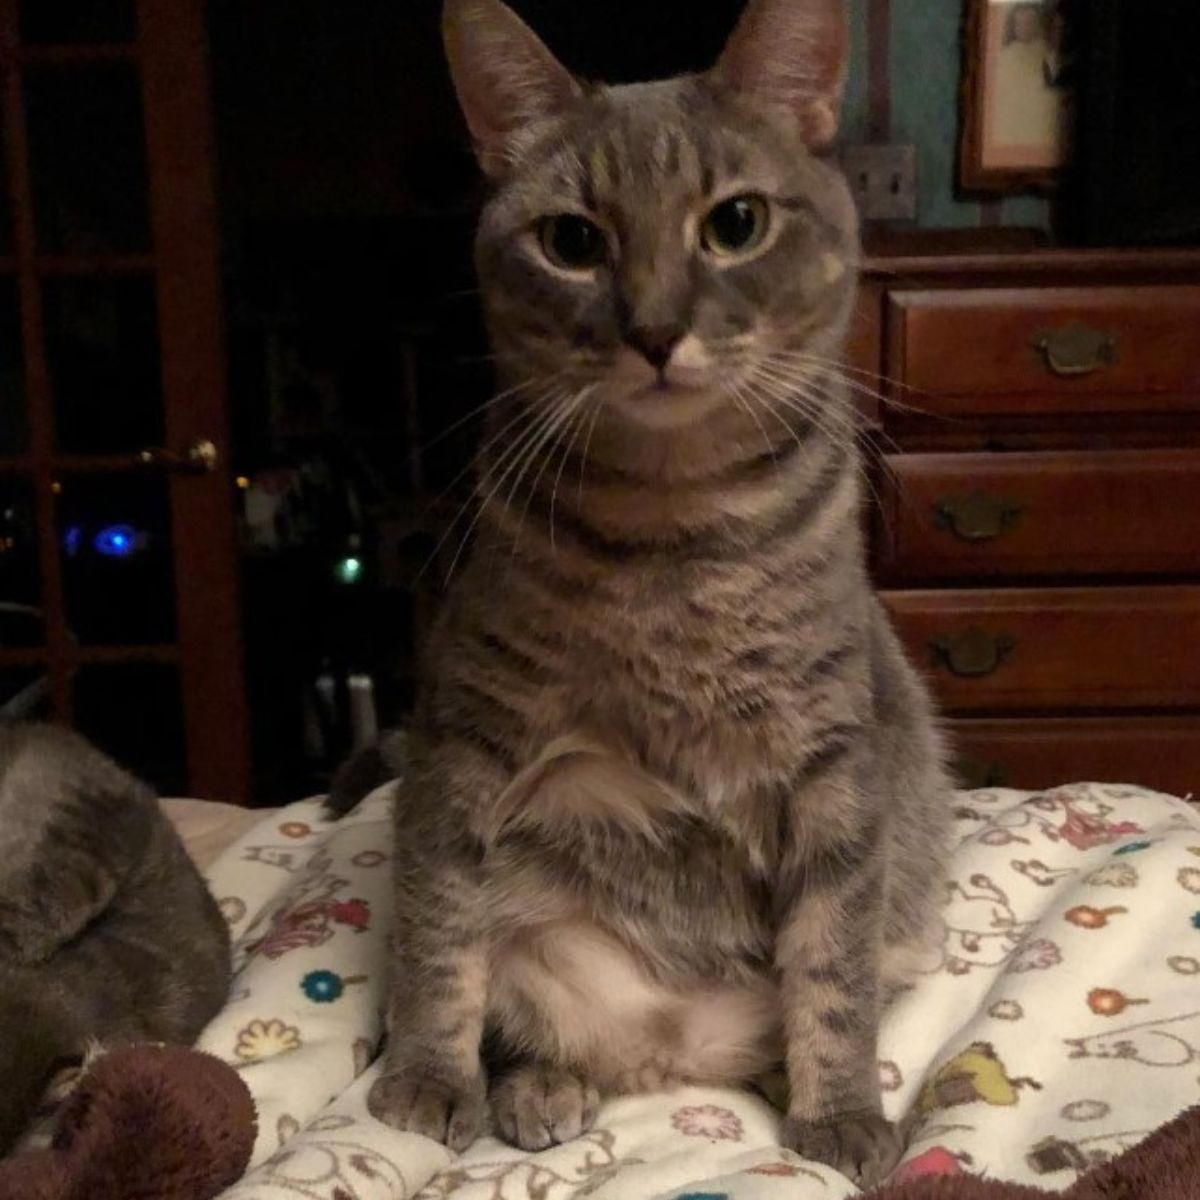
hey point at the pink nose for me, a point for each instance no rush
(655, 343)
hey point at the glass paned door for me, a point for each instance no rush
(118, 599)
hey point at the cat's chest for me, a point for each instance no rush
(695, 658)
(688, 624)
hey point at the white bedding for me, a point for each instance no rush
(1057, 1023)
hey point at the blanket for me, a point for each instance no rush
(1055, 1024)
(167, 1123)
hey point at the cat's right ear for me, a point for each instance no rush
(505, 77)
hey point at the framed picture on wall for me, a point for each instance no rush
(1018, 94)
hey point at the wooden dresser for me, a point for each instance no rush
(1036, 535)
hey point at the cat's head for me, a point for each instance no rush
(669, 247)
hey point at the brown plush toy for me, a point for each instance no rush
(1166, 1166)
(144, 1123)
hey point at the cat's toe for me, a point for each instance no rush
(535, 1107)
(863, 1146)
(416, 1103)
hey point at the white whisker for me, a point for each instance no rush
(587, 445)
(567, 412)
(508, 393)
(827, 418)
(512, 456)
(575, 430)
(526, 414)
(748, 408)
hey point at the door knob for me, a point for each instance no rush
(200, 457)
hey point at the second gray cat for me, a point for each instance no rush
(107, 931)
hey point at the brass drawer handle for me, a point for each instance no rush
(977, 517)
(1076, 349)
(971, 654)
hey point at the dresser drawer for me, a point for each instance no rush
(1047, 350)
(1125, 647)
(1155, 752)
(1059, 513)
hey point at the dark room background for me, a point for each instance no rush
(259, 215)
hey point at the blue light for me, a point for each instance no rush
(72, 540)
(349, 570)
(116, 541)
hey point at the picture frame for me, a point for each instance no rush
(1018, 95)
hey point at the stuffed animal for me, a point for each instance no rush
(1166, 1166)
(144, 1122)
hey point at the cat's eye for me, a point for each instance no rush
(572, 242)
(735, 225)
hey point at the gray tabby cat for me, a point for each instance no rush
(676, 809)
(107, 931)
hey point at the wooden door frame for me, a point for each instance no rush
(181, 161)
(171, 55)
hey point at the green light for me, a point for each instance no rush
(349, 570)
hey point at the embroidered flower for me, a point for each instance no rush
(286, 1128)
(1114, 874)
(1037, 955)
(303, 926)
(265, 1039)
(1087, 917)
(1085, 831)
(1006, 1010)
(1108, 1002)
(1086, 1110)
(708, 1121)
(322, 987)
(935, 1161)
(355, 913)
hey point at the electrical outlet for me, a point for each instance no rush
(883, 179)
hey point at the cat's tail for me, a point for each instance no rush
(383, 761)
(39, 1040)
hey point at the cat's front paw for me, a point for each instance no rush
(863, 1146)
(416, 1101)
(537, 1106)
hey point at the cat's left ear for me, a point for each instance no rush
(505, 77)
(790, 54)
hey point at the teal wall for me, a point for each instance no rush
(924, 58)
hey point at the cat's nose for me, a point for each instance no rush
(655, 342)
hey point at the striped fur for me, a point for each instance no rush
(676, 798)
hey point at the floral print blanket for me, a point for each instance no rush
(1056, 1023)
